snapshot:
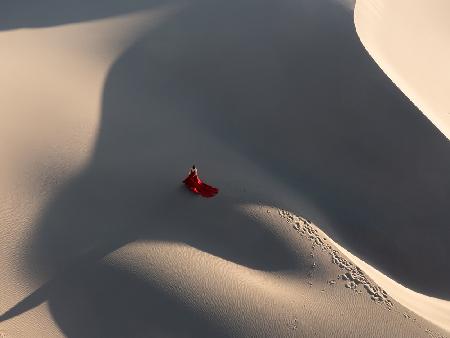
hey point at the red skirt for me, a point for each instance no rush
(195, 184)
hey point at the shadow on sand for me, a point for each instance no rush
(47, 13)
(286, 84)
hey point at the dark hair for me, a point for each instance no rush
(193, 167)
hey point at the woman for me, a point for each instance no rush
(195, 184)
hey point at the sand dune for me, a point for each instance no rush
(107, 105)
(409, 40)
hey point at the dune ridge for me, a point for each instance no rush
(409, 40)
(433, 309)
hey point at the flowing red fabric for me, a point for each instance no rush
(195, 184)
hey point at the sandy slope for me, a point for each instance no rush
(410, 41)
(279, 105)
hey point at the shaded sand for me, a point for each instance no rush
(410, 42)
(279, 105)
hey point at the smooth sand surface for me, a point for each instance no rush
(105, 106)
(409, 39)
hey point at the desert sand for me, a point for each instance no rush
(410, 42)
(332, 217)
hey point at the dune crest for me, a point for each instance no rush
(435, 310)
(409, 41)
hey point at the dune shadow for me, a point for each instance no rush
(286, 84)
(94, 216)
(108, 302)
(290, 86)
(47, 13)
(99, 300)
(104, 209)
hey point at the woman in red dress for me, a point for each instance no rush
(195, 184)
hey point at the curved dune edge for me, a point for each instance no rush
(432, 309)
(51, 127)
(36, 64)
(392, 33)
(241, 298)
(435, 310)
(411, 49)
(409, 41)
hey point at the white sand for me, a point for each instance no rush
(104, 108)
(410, 42)
(409, 39)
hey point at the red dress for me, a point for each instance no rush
(195, 184)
